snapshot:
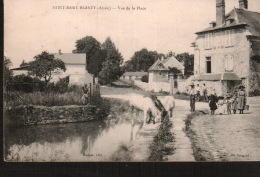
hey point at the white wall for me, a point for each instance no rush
(20, 72)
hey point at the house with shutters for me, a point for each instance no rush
(227, 53)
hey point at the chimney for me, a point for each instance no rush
(60, 51)
(243, 4)
(220, 12)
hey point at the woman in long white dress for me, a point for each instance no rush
(221, 105)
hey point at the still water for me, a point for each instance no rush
(88, 141)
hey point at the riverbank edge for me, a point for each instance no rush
(28, 115)
(191, 134)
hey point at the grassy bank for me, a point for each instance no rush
(197, 151)
(159, 148)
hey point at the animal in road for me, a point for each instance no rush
(148, 106)
(168, 103)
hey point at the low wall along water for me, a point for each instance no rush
(36, 115)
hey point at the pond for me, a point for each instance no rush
(87, 141)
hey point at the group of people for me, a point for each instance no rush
(221, 104)
(229, 103)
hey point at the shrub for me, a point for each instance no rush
(145, 78)
(24, 83)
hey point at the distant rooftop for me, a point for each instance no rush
(134, 73)
(71, 58)
(164, 64)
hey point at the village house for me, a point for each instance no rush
(75, 64)
(133, 75)
(160, 76)
(160, 70)
(75, 68)
(227, 53)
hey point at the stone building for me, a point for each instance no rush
(227, 53)
(159, 71)
(160, 78)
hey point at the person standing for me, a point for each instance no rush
(241, 99)
(192, 97)
(198, 92)
(85, 94)
(213, 103)
(221, 105)
(205, 92)
(234, 103)
(229, 104)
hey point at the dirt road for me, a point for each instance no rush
(234, 137)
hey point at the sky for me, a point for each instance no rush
(33, 26)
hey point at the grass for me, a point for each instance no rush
(159, 148)
(197, 151)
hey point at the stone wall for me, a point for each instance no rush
(35, 115)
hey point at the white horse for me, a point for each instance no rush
(147, 105)
(168, 103)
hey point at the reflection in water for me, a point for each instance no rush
(89, 141)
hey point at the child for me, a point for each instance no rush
(220, 105)
(229, 105)
(225, 105)
(213, 103)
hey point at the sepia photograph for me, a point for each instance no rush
(131, 81)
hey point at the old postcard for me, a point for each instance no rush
(131, 80)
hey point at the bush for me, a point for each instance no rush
(145, 78)
(27, 84)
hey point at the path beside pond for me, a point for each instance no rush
(182, 144)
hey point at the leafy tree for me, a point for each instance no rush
(94, 55)
(111, 70)
(45, 66)
(170, 54)
(95, 64)
(188, 61)
(8, 74)
(142, 60)
(174, 70)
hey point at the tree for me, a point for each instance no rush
(45, 66)
(142, 60)
(174, 70)
(8, 74)
(111, 70)
(94, 55)
(188, 61)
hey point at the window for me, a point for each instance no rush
(228, 38)
(229, 63)
(208, 40)
(208, 64)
